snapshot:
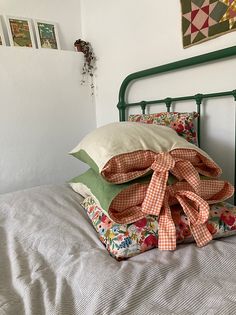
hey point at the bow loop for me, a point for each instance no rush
(194, 206)
(197, 212)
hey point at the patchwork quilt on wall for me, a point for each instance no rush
(206, 19)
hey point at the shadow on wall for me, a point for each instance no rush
(223, 154)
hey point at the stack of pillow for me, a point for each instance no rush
(148, 187)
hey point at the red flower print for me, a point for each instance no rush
(103, 218)
(106, 221)
(227, 218)
(149, 121)
(141, 223)
(180, 128)
(150, 241)
(91, 209)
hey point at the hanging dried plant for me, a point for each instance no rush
(89, 61)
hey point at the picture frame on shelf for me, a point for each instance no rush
(2, 37)
(20, 32)
(47, 34)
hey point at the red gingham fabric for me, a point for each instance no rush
(162, 164)
(128, 166)
(166, 232)
(156, 191)
(197, 212)
(121, 208)
(127, 208)
(197, 216)
(155, 197)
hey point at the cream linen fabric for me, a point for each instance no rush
(114, 139)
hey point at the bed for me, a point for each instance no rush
(52, 261)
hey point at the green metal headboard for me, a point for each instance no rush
(123, 105)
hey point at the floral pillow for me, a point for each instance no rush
(182, 123)
(126, 240)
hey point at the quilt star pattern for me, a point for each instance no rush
(206, 19)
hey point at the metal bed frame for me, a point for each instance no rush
(198, 98)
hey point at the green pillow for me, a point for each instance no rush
(92, 184)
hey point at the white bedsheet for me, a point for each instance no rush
(52, 262)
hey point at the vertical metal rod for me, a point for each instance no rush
(198, 98)
(234, 95)
(168, 102)
(143, 106)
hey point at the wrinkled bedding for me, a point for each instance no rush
(52, 262)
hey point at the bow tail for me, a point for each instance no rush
(155, 193)
(166, 228)
(201, 234)
(196, 219)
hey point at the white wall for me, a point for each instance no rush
(133, 35)
(44, 111)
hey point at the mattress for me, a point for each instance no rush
(52, 262)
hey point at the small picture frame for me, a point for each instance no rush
(20, 32)
(2, 37)
(47, 34)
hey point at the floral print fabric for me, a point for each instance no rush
(126, 240)
(182, 123)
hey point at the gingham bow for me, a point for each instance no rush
(197, 212)
(159, 194)
(162, 164)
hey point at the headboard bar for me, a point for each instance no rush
(181, 98)
(215, 55)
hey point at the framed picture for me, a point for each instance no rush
(2, 38)
(204, 20)
(20, 32)
(47, 34)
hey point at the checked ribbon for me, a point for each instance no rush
(159, 196)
